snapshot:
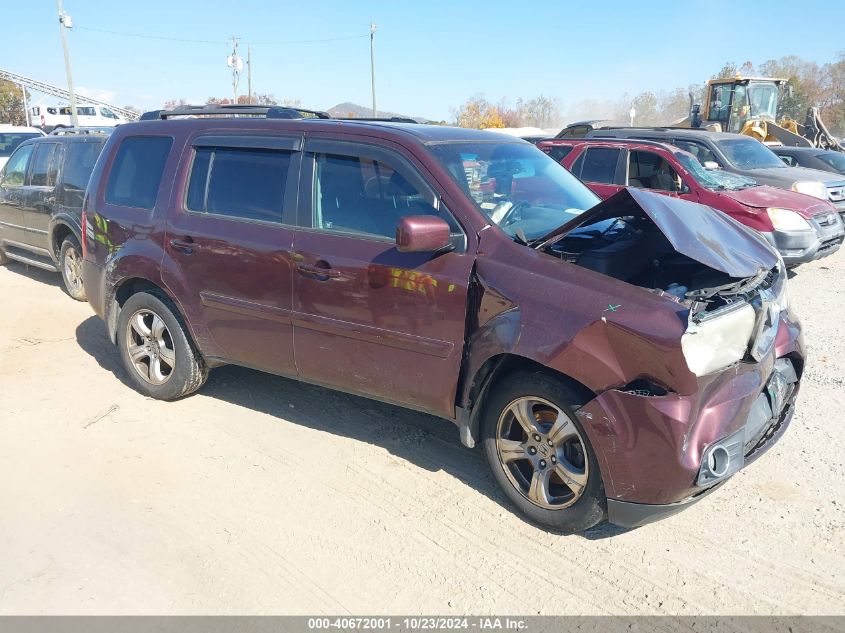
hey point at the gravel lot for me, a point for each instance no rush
(262, 495)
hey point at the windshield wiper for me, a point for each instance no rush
(519, 237)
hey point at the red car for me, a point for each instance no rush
(802, 228)
(458, 272)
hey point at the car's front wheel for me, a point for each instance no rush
(70, 260)
(539, 453)
(158, 355)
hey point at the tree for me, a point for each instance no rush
(11, 104)
(471, 114)
(175, 103)
(729, 70)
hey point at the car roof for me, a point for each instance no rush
(418, 131)
(666, 131)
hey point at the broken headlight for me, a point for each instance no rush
(718, 340)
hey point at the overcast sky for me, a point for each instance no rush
(430, 56)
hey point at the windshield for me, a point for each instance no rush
(834, 159)
(715, 179)
(9, 141)
(764, 100)
(519, 188)
(746, 153)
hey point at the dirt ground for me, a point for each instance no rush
(261, 495)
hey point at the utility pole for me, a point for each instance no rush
(65, 22)
(237, 65)
(249, 72)
(373, 65)
(25, 106)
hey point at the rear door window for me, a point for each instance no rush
(246, 183)
(79, 164)
(600, 165)
(45, 165)
(136, 173)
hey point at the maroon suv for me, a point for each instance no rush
(616, 360)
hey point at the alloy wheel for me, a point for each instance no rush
(150, 347)
(542, 452)
(73, 269)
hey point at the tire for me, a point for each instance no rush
(167, 366)
(70, 264)
(554, 481)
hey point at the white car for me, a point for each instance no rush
(51, 117)
(13, 135)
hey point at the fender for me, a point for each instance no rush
(57, 222)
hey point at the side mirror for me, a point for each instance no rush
(421, 233)
(711, 164)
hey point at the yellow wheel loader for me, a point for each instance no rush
(748, 105)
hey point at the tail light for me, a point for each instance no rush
(42, 120)
(84, 234)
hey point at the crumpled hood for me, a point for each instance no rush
(697, 231)
(764, 196)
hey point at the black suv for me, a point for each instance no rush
(41, 191)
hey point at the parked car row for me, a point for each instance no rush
(617, 360)
(801, 227)
(41, 191)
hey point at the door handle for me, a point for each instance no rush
(322, 274)
(186, 245)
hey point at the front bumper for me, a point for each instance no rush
(651, 447)
(800, 247)
(631, 514)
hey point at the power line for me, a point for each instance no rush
(196, 41)
(151, 37)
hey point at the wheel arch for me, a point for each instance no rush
(59, 231)
(131, 286)
(493, 370)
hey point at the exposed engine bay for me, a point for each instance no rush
(732, 283)
(634, 250)
(668, 246)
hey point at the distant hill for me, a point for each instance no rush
(348, 109)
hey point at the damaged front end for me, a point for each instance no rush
(730, 281)
(662, 445)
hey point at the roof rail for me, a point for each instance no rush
(67, 131)
(611, 139)
(270, 112)
(387, 119)
(652, 128)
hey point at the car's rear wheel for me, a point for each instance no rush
(157, 354)
(539, 453)
(70, 260)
